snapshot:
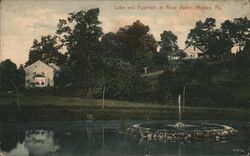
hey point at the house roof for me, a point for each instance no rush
(51, 65)
(202, 49)
(54, 66)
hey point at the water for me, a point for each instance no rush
(101, 138)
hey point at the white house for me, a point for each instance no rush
(40, 74)
(193, 52)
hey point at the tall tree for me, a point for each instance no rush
(137, 45)
(215, 42)
(20, 77)
(47, 50)
(82, 40)
(111, 47)
(201, 33)
(168, 43)
(121, 79)
(168, 47)
(219, 45)
(237, 30)
(8, 73)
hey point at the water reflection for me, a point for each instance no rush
(40, 142)
(102, 139)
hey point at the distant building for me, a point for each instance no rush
(193, 52)
(40, 75)
(174, 57)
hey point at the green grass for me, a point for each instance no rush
(72, 108)
(95, 103)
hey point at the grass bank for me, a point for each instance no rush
(35, 108)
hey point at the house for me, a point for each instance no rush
(40, 75)
(193, 52)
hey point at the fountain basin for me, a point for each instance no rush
(188, 132)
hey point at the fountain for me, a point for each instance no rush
(181, 131)
(179, 124)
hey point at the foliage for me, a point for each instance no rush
(9, 75)
(189, 73)
(82, 41)
(243, 57)
(120, 62)
(20, 77)
(218, 42)
(65, 77)
(237, 30)
(168, 43)
(111, 46)
(121, 79)
(47, 50)
(168, 50)
(171, 84)
(181, 53)
(137, 45)
(201, 33)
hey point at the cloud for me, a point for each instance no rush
(23, 21)
(19, 32)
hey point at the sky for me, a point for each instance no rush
(22, 21)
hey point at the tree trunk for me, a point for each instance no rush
(88, 77)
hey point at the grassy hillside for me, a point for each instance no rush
(228, 86)
(223, 83)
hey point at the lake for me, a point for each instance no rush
(102, 138)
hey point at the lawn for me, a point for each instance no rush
(72, 108)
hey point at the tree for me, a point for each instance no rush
(168, 48)
(171, 84)
(200, 35)
(20, 77)
(247, 47)
(81, 41)
(65, 76)
(242, 58)
(181, 53)
(8, 73)
(121, 79)
(168, 44)
(47, 50)
(111, 47)
(216, 42)
(219, 45)
(237, 30)
(137, 45)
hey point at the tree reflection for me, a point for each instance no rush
(9, 137)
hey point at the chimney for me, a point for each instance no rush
(145, 70)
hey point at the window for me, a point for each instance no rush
(42, 81)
